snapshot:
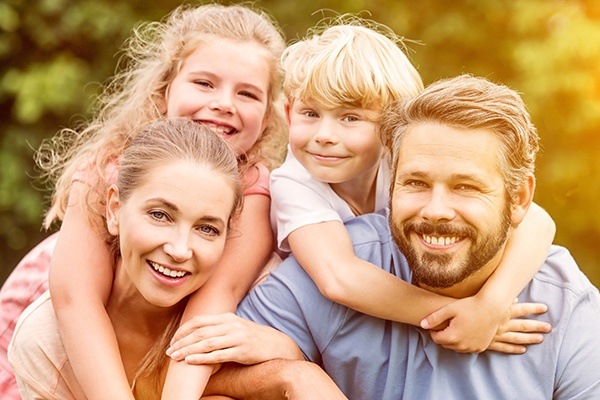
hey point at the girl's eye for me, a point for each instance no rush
(350, 118)
(209, 230)
(249, 95)
(203, 83)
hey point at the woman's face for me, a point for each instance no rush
(224, 84)
(171, 229)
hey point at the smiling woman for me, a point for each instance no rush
(167, 218)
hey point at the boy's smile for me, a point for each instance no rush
(337, 146)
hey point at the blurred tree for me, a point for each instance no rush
(55, 54)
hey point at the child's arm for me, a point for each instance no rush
(247, 251)
(212, 339)
(275, 379)
(80, 281)
(475, 319)
(326, 252)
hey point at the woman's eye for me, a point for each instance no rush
(209, 230)
(158, 215)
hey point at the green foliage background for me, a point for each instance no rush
(56, 53)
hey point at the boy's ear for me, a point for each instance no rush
(113, 204)
(523, 200)
(288, 108)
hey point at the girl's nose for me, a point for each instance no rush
(223, 102)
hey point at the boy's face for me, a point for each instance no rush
(337, 146)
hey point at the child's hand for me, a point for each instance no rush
(514, 334)
(211, 339)
(466, 325)
(472, 325)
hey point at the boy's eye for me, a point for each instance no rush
(350, 118)
(310, 114)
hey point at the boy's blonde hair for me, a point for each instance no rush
(349, 62)
(135, 96)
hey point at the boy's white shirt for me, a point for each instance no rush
(298, 199)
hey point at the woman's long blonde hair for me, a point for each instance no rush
(135, 96)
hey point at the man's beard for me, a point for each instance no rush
(438, 270)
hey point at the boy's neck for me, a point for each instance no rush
(360, 193)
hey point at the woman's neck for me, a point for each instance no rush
(137, 324)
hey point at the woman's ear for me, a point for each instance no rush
(113, 204)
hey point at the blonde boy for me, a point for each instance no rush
(337, 83)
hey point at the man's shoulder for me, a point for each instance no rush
(561, 271)
(369, 228)
(372, 240)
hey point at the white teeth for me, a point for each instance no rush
(220, 129)
(166, 271)
(441, 240)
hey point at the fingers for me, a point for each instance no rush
(527, 325)
(522, 309)
(200, 321)
(439, 319)
(507, 348)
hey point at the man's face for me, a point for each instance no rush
(449, 212)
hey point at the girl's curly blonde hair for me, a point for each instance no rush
(135, 95)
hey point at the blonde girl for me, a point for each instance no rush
(218, 66)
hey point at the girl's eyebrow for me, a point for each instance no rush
(210, 75)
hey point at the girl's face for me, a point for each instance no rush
(224, 84)
(171, 229)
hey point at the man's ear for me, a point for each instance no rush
(113, 204)
(523, 200)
